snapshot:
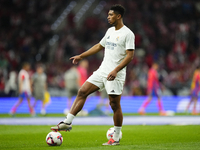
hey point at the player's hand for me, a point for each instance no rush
(75, 59)
(112, 75)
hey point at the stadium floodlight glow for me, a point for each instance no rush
(83, 9)
(53, 40)
(58, 21)
(99, 7)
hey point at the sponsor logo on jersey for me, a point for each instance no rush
(111, 44)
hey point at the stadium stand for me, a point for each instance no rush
(165, 31)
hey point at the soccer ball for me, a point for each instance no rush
(54, 138)
(110, 133)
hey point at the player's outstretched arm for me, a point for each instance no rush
(93, 50)
(129, 56)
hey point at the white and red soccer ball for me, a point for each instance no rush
(110, 133)
(54, 138)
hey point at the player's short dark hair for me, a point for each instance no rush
(25, 64)
(40, 66)
(118, 9)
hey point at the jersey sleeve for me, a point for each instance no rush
(130, 41)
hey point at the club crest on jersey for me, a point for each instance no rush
(117, 39)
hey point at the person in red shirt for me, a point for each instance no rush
(24, 89)
(82, 69)
(195, 89)
(153, 89)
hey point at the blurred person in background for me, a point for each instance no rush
(104, 101)
(135, 84)
(24, 89)
(82, 69)
(83, 73)
(2, 86)
(153, 89)
(72, 84)
(177, 39)
(39, 85)
(195, 91)
(11, 85)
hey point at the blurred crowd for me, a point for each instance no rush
(167, 32)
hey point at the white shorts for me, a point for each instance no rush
(114, 87)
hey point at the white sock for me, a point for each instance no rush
(116, 133)
(69, 118)
(43, 111)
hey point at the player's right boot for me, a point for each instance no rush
(62, 127)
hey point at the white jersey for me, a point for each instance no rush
(116, 42)
(24, 78)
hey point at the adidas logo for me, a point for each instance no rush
(112, 91)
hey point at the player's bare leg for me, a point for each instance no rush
(35, 103)
(144, 105)
(43, 109)
(86, 89)
(31, 109)
(160, 107)
(83, 92)
(14, 109)
(116, 107)
(117, 117)
(194, 112)
(188, 106)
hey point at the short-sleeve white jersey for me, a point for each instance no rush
(24, 77)
(116, 42)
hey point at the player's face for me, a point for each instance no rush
(112, 17)
(156, 66)
(27, 67)
(40, 70)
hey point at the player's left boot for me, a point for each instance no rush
(111, 142)
(141, 112)
(12, 114)
(62, 127)
(162, 113)
(194, 112)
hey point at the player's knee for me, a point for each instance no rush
(114, 105)
(82, 93)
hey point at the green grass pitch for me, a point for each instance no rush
(163, 137)
(62, 115)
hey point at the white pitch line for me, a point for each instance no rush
(128, 120)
